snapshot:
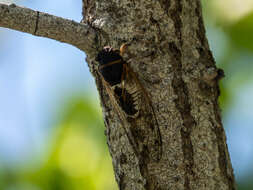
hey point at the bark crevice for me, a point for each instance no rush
(183, 106)
(37, 23)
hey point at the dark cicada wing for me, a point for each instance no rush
(144, 124)
(132, 104)
(114, 94)
(137, 117)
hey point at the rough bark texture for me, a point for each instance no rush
(170, 53)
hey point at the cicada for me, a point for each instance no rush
(131, 102)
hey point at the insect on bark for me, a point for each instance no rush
(131, 102)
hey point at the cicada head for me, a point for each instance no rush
(110, 65)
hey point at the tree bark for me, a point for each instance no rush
(170, 53)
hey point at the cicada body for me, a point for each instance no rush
(110, 65)
(131, 102)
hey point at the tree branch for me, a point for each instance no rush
(37, 23)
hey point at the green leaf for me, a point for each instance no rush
(241, 32)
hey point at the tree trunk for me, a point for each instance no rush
(170, 54)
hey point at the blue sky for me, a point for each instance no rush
(36, 75)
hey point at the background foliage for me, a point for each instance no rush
(51, 128)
